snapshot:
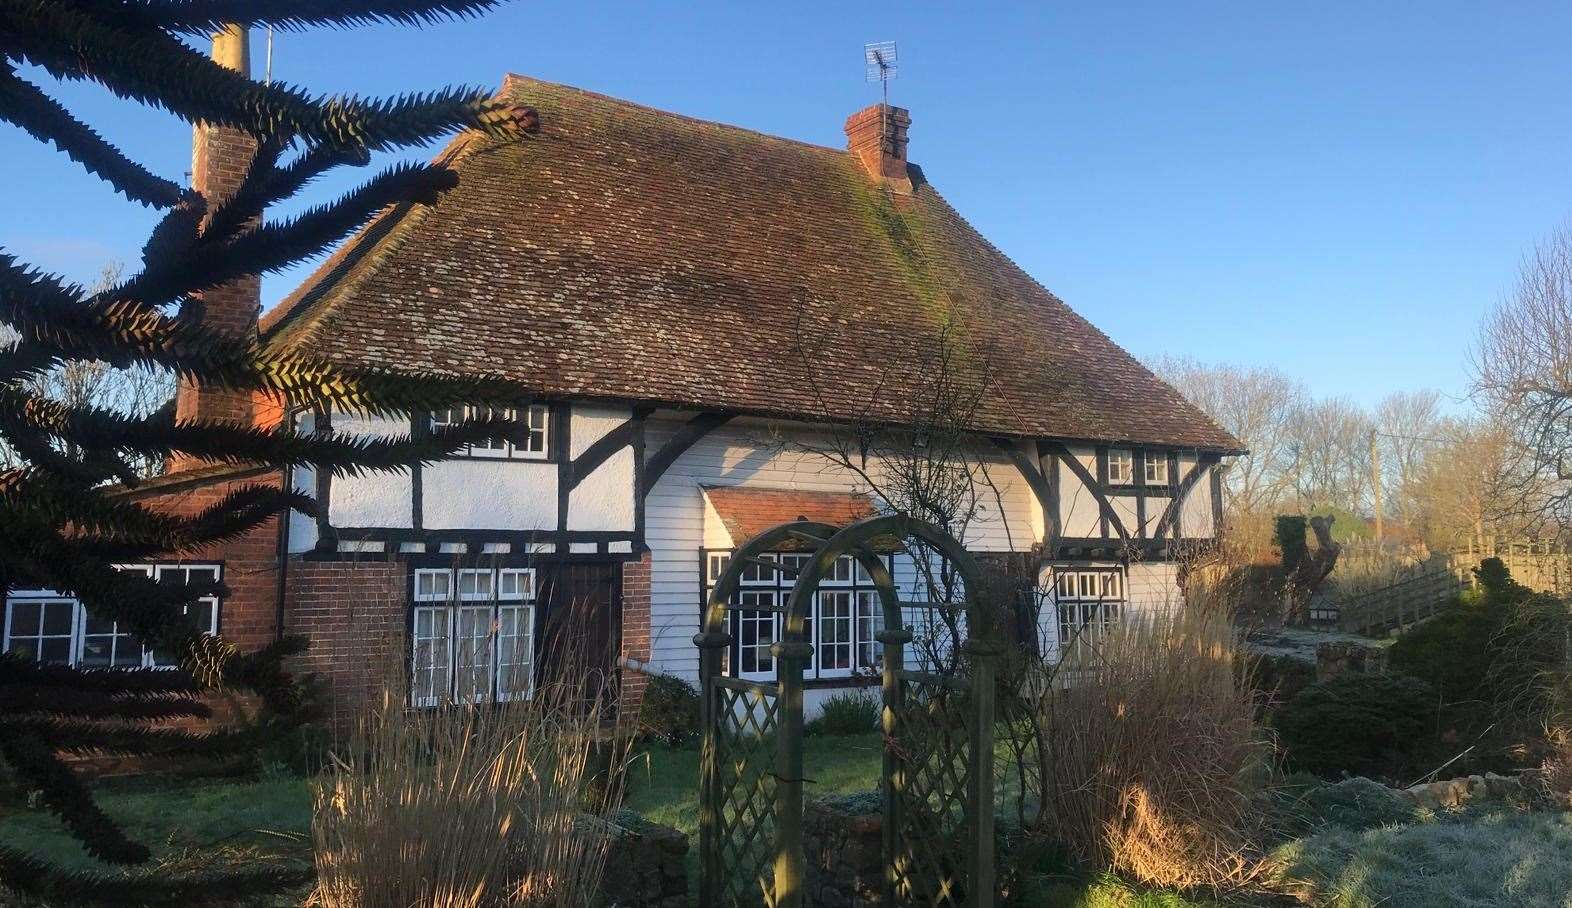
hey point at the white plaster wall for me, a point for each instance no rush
(1078, 511)
(371, 499)
(604, 499)
(1154, 513)
(303, 529)
(675, 524)
(490, 495)
(588, 424)
(1196, 513)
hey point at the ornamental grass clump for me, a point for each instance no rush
(470, 806)
(1150, 756)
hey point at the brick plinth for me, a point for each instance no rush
(635, 633)
(355, 615)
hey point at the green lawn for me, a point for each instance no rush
(178, 818)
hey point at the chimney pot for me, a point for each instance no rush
(876, 136)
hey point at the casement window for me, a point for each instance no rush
(1121, 466)
(472, 635)
(536, 418)
(1156, 469)
(49, 627)
(841, 625)
(1088, 601)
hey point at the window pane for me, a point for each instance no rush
(472, 666)
(834, 650)
(26, 618)
(430, 673)
(57, 619)
(870, 620)
(515, 650)
(756, 633)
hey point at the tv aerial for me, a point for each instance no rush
(880, 59)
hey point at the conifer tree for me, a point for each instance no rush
(62, 524)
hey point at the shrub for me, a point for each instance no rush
(1375, 725)
(670, 713)
(848, 713)
(1148, 756)
(1498, 663)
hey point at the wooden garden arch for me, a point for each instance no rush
(750, 821)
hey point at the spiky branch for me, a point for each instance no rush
(65, 520)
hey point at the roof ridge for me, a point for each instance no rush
(509, 78)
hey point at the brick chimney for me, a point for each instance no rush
(220, 157)
(877, 137)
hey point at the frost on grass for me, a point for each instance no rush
(1484, 859)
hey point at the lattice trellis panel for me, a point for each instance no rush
(930, 785)
(747, 715)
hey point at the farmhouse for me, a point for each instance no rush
(698, 318)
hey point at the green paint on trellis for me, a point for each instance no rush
(938, 812)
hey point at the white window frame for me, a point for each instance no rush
(77, 648)
(1124, 459)
(1159, 476)
(536, 418)
(449, 605)
(846, 578)
(1087, 602)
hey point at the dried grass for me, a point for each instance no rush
(464, 807)
(1151, 759)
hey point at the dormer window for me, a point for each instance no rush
(1156, 470)
(1121, 466)
(535, 417)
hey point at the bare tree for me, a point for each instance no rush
(1523, 377)
(1408, 423)
(1464, 490)
(1330, 446)
(1258, 407)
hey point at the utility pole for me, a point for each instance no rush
(1375, 484)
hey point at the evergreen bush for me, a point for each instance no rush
(670, 713)
(1371, 725)
(848, 713)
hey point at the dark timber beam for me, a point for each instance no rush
(1170, 517)
(690, 432)
(600, 451)
(1044, 483)
(1098, 490)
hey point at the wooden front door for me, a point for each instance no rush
(581, 626)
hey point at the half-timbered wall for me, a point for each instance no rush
(471, 493)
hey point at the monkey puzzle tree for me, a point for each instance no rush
(62, 525)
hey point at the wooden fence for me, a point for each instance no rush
(1425, 587)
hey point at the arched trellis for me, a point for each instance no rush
(750, 824)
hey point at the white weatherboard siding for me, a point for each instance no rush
(741, 455)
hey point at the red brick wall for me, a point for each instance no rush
(248, 614)
(355, 613)
(635, 631)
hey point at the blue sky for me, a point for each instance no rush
(1338, 190)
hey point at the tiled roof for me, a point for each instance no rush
(625, 253)
(748, 511)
